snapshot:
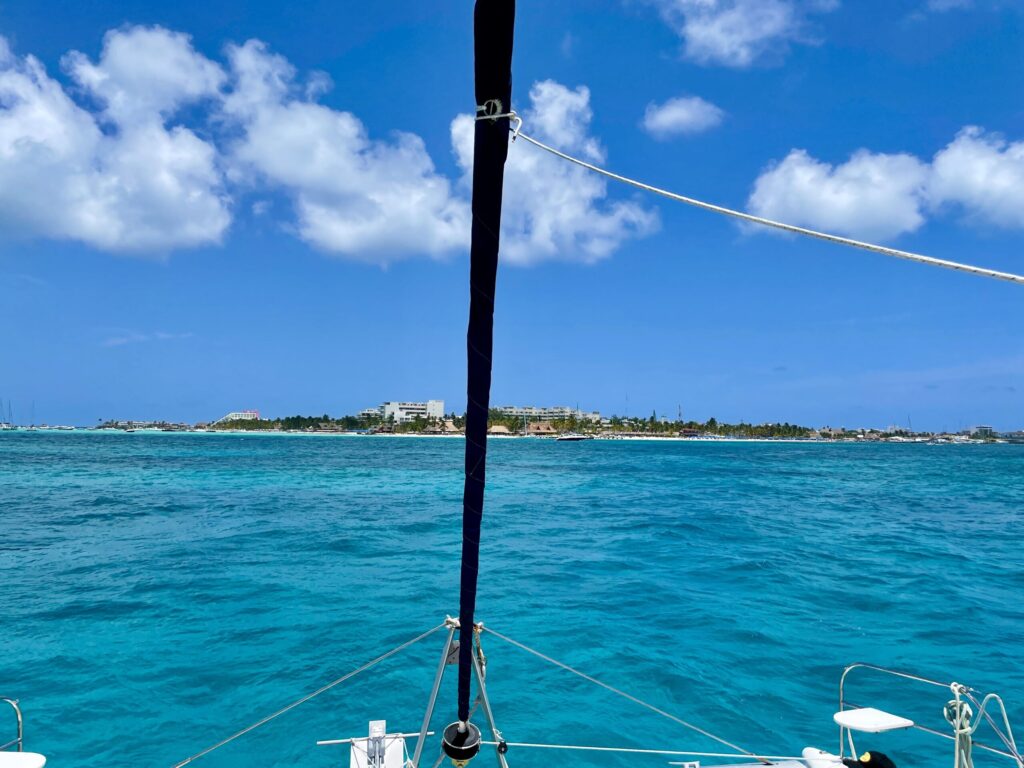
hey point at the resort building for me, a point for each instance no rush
(555, 413)
(983, 430)
(403, 413)
(541, 429)
(444, 427)
(239, 416)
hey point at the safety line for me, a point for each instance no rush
(635, 751)
(309, 696)
(623, 694)
(760, 220)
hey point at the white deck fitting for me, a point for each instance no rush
(870, 720)
(363, 753)
(812, 758)
(21, 760)
(817, 758)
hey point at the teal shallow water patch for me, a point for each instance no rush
(161, 591)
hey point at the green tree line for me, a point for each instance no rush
(615, 425)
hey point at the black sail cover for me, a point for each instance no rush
(493, 25)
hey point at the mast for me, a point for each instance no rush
(493, 26)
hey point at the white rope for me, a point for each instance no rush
(625, 695)
(307, 697)
(634, 751)
(931, 260)
(1008, 741)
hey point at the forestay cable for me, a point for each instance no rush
(308, 696)
(760, 220)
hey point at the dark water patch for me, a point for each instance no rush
(95, 610)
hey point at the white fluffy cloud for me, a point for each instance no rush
(880, 196)
(870, 195)
(118, 178)
(145, 73)
(737, 33)
(361, 198)
(982, 175)
(682, 115)
(145, 149)
(552, 209)
(109, 161)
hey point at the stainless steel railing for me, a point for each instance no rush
(963, 689)
(19, 742)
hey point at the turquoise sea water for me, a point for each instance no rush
(161, 591)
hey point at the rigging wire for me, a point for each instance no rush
(759, 220)
(307, 697)
(621, 693)
(635, 751)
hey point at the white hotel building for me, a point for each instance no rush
(402, 413)
(555, 413)
(239, 416)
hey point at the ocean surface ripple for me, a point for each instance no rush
(162, 591)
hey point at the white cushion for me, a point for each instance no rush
(870, 720)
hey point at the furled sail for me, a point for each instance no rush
(493, 26)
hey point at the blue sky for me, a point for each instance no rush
(213, 206)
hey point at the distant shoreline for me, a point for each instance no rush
(459, 436)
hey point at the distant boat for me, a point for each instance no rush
(572, 437)
(9, 423)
